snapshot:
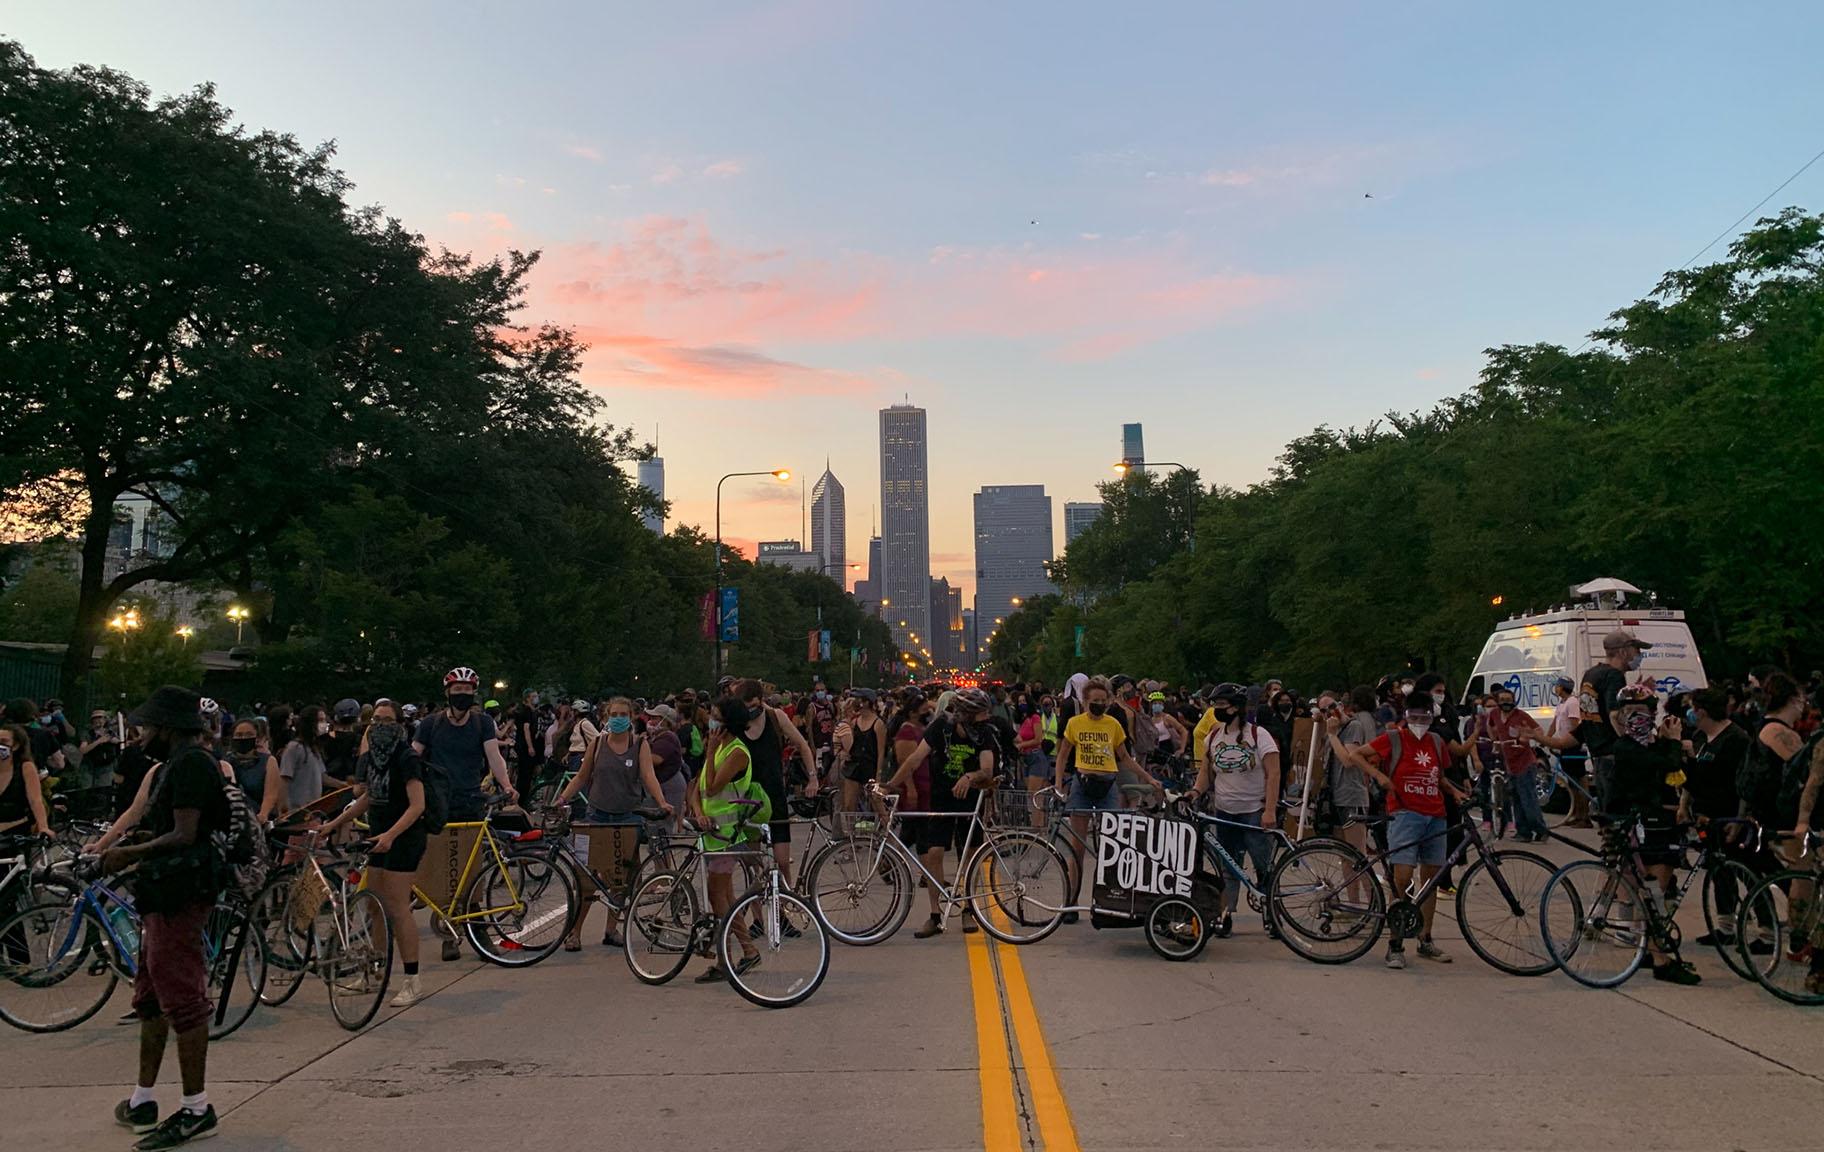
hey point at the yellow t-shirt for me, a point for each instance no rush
(1096, 738)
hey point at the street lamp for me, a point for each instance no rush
(1124, 467)
(1017, 601)
(240, 616)
(780, 474)
(125, 622)
(186, 632)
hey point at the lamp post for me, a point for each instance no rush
(186, 632)
(239, 615)
(780, 474)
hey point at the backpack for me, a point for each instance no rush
(241, 857)
(1793, 776)
(1393, 752)
(1758, 781)
(436, 782)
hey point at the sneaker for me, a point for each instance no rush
(712, 975)
(451, 950)
(1225, 925)
(1430, 951)
(1272, 929)
(747, 964)
(1760, 947)
(141, 1119)
(1447, 888)
(932, 927)
(1395, 958)
(131, 1017)
(1717, 940)
(1677, 972)
(1814, 982)
(969, 924)
(613, 939)
(1068, 918)
(409, 993)
(181, 1127)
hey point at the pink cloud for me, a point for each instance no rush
(667, 174)
(585, 152)
(723, 169)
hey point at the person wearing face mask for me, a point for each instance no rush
(21, 801)
(1646, 759)
(962, 747)
(342, 743)
(618, 776)
(1278, 716)
(389, 787)
(1513, 732)
(767, 736)
(1240, 775)
(1409, 764)
(302, 765)
(861, 745)
(1622, 653)
(99, 751)
(465, 744)
(1096, 745)
(256, 771)
(1169, 733)
(727, 776)
(668, 760)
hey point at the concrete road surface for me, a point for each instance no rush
(1086, 1040)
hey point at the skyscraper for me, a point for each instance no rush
(652, 478)
(1133, 450)
(1078, 517)
(830, 526)
(905, 524)
(1012, 545)
(867, 589)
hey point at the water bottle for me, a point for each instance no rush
(126, 929)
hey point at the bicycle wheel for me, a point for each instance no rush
(792, 950)
(54, 968)
(860, 888)
(1594, 922)
(660, 926)
(1497, 805)
(1018, 887)
(234, 980)
(357, 961)
(1506, 935)
(1326, 902)
(287, 952)
(517, 911)
(1176, 930)
(1791, 905)
(1726, 883)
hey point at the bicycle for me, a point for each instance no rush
(1600, 917)
(1791, 903)
(1329, 894)
(860, 884)
(60, 961)
(666, 927)
(514, 913)
(556, 848)
(325, 924)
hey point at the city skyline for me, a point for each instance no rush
(905, 524)
(1041, 230)
(830, 527)
(1013, 542)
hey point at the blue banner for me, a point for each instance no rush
(729, 618)
(823, 645)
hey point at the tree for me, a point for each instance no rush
(136, 662)
(39, 605)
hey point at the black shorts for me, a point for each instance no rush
(781, 823)
(405, 853)
(930, 833)
(860, 772)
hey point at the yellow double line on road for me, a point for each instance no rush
(1022, 1103)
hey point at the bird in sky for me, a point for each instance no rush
(1367, 195)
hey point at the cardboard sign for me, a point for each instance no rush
(441, 869)
(610, 849)
(1301, 774)
(1142, 859)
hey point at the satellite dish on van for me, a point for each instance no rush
(1607, 592)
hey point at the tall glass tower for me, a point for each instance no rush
(905, 526)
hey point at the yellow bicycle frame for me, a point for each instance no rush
(469, 868)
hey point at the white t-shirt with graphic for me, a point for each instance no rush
(1238, 776)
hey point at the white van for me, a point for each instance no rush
(1528, 653)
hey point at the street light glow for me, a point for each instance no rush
(782, 473)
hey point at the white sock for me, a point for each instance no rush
(198, 1103)
(140, 1096)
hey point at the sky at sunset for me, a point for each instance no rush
(1230, 222)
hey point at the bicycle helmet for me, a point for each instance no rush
(209, 708)
(410, 711)
(1632, 714)
(1160, 696)
(970, 701)
(1234, 694)
(461, 675)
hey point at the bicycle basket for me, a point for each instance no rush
(1018, 808)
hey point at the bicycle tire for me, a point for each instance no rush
(1798, 935)
(775, 982)
(1721, 927)
(1176, 930)
(229, 927)
(286, 964)
(659, 928)
(1008, 883)
(843, 875)
(1512, 943)
(1313, 911)
(50, 979)
(1497, 802)
(525, 930)
(356, 966)
(1594, 924)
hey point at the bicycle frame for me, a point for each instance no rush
(470, 868)
(887, 839)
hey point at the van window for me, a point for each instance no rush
(1530, 649)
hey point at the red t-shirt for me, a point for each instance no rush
(1415, 777)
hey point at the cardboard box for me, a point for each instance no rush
(610, 849)
(444, 855)
(1303, 776)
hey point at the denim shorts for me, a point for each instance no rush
(1406, 826)
(1080, 801)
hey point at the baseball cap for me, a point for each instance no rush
(1564, 682)
(347, 709)
(1621, 640)
(664, 712)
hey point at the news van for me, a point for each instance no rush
(1528, 653)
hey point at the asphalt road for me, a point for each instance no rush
(1085, 1040)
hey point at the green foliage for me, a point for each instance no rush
(39, 604)
(1681, 453)
(153, 654)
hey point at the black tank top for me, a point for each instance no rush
(12, 797)
(768, 758)
(864, 750)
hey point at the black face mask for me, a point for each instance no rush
(1224, 715)
(243, 744)
(1507, 705)
(1097, 708)
(462, 701)
(159, 745)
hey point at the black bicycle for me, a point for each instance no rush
(1330, 901)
